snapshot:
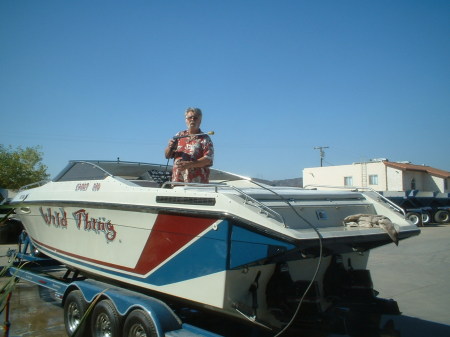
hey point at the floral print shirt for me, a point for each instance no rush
(191, 149)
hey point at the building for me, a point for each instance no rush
(380, 175)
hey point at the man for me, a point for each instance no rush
(192, 151)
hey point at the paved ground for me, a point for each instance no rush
(34, 312)
(416, 274)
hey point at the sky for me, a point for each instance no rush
(110, 79)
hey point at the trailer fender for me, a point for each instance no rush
(126, 301)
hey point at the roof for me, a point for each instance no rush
(421, 168)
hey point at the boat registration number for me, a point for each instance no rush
(85, 186)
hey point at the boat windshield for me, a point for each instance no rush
(98, 170)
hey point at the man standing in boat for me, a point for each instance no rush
(192, 151)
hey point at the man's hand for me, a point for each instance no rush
(172, 144)
(184, 165)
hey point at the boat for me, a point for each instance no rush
(235, 246)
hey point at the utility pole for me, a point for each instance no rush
(322, 153)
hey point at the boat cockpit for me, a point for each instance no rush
(142, 174)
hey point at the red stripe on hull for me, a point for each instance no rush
(169, 234)
(83, 258)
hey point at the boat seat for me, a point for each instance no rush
(146, 183)
(152, 178)
(157, 176)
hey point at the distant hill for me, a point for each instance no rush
(294, 182)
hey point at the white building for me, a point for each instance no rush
(381, 175)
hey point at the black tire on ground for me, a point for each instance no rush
(105, 320)
(10, 231)
(442, 216)
(75, 307)
(426, 217)
(139, 324)
(414, 217)
(4, 234)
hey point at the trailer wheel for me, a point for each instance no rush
(105, 320)
(442, 216)
(426, 218)
(139, 324)
(75, 307)
(414, 218)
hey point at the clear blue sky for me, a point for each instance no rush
(107, 79)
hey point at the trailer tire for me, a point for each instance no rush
(4, 234)
(414, 218)
(139, 324)
(426, 217)
(10, 231)
(442, 216)
(75, 307)
(105, 320)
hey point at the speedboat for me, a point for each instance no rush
(234, 246)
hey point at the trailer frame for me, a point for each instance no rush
(113, 307)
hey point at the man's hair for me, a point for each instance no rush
(197, 111)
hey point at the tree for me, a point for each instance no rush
(20, 167)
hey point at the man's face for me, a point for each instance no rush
(193, 120)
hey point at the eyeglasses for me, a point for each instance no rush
(192, 117)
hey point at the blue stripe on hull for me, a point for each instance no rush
(206, 255)
(248, 247)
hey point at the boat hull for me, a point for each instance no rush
(207, 261)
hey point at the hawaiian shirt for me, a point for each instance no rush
(190, 149)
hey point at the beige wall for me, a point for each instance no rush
(334, 175)
(395, 179)
(389, 179)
